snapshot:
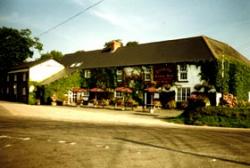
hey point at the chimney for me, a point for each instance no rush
(115, 44)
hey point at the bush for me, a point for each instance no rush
(182, 105)
(157, 103)
(132, 103)
(104, 102)
(229, 100)
(197, 100)
(218, 116)
(32, 99)
(171, 104)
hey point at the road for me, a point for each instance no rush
(37, 142)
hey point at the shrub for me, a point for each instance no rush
(104, 102)
(243, 103)
(182, 105)
(229, 100)
(157, 103)
(171, 104)
(131, 103)
(197, 100)
(218, 116)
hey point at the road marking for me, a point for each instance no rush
(62, 142)
(7, 145)
(24, 139)
(4, 136)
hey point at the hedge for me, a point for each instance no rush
(218, 116)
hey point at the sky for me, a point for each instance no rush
(129, 20)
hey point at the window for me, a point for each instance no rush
(119, 75)
(85, 94)
(182, 72)
(87, 74)
(15, 89)
(15, 77)
(7, 90)
(78, 64)
(183, 93)
(73, 65)
(118, 94)
(147, 74)
(24, 77)
(8, 78)
(24, 91)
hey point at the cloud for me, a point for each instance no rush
(114, 19)
(82, 3)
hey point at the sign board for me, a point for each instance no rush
(165, 73)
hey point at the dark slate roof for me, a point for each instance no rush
(192, 49)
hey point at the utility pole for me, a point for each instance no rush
(222, 75)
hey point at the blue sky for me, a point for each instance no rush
(129, 20)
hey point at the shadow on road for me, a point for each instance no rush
(183, 152)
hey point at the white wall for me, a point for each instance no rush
(193, 78)
(249, 96)
(44, 70)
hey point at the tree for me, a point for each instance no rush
(132, 43)
(16, 46)
(57, 55)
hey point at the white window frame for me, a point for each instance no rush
(24, 91)
(24, 76)
(72, 65)
(118, 94)
(8, 78)
(119, 75)
(15, 89)
(147, 74)
(183, 72)
(87, 73)
(183, 93)
(78, 64)
(15, 77)
(85, 94)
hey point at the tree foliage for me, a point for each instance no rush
(57, 55)
(132, 43)
(236, 77)
(16, 46)
(62, 86)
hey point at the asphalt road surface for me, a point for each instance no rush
(45, 143)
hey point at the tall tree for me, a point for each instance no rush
(16, 46)
(57, 55)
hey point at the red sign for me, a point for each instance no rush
(165, 73)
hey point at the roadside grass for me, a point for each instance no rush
(238, 117)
